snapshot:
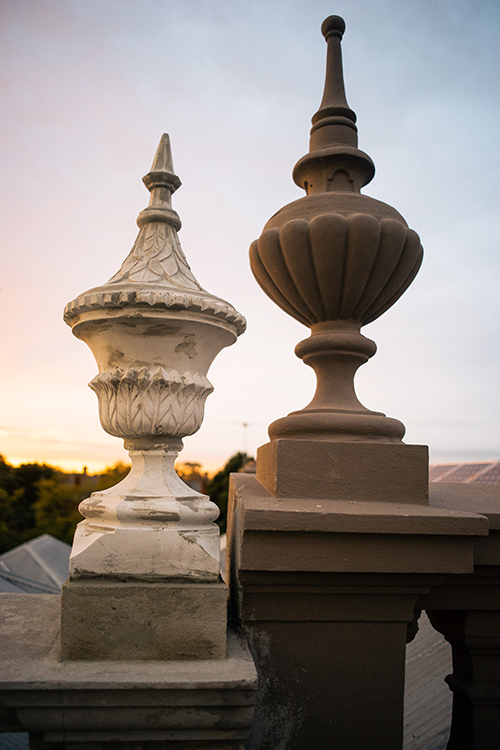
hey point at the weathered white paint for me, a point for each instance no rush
(154, 333)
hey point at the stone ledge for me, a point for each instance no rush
(472, 498)
(477, 591)
(114, 704)
(338, 536)
(263, 512)
(29, 633)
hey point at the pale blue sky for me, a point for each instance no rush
(87, 89)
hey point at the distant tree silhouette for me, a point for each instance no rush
(56, 510)
(39, 499)
(19, 493)
(111, 476)
(218, 488)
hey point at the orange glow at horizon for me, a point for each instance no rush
(76, 466)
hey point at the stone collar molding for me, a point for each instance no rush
(101, 298)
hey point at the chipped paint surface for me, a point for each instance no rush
(153, 554)
(149, 526)
(154, 333)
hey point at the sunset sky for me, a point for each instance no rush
(88, 87)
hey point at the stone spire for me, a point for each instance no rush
(335, 260)
(157, 256)
(334, 161)
(155, 273)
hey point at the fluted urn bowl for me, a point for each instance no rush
(336, 256)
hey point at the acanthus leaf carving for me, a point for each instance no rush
(144, 402)
(157, 257)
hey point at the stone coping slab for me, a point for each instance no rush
(265, 512)
(472, 498)
(29, 633)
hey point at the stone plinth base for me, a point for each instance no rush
(137, 705)
(356, 471)
(129, 621)
(346, 536)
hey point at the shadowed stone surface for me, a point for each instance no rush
(117, 704)
(130, 621)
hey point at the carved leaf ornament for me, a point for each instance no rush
(336, 268)
(157, 257)
(139, 402)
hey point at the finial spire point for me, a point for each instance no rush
(333, 25)
(162, 171)
(334, 101)
(163, 157)
(161, 181)
(333, 146)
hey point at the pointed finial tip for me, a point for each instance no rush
(333, 25)
(162, 171)
(163, 156)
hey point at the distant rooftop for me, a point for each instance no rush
(39, 566)
(485, 472)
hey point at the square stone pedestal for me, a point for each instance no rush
(122, 621)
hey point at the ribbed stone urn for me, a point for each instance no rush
(154, 333)
(335, 260)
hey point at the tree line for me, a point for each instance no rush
(41, 499)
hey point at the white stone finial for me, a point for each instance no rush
(154, 333)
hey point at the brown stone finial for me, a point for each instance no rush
(335, 260)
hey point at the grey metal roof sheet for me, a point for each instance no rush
(428, 699)
(37, 566)
(14, 741)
